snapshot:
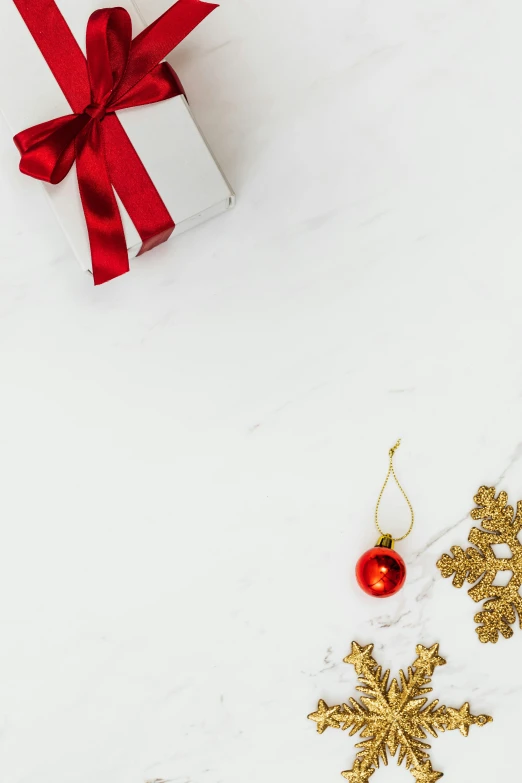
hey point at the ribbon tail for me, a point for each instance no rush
(106, 236)
(154, 43)
(133, 184)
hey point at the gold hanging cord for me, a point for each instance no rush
(391, 472)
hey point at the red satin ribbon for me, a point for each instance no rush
(119, 72)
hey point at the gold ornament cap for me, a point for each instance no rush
(387, 541)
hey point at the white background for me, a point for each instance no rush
(190, 455)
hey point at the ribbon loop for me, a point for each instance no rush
(48, 150)
(108, 41)
(121, 73)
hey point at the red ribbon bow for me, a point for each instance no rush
(119, 73)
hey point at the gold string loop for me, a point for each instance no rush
(391, 472)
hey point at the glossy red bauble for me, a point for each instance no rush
(380, 572)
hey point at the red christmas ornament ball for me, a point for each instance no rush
(380, 572)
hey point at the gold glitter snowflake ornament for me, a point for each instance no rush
(394, 718)
(480, 566)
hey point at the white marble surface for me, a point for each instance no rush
(190, 456)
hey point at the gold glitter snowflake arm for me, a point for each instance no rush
(479, 566)
(466, 566)
(371, 677)
(420, 673)
(462, 719)
(326, 716)
(361, 659)
(340, 716)
(360, 773)
(494, 512)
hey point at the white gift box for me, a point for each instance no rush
(165, 134)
